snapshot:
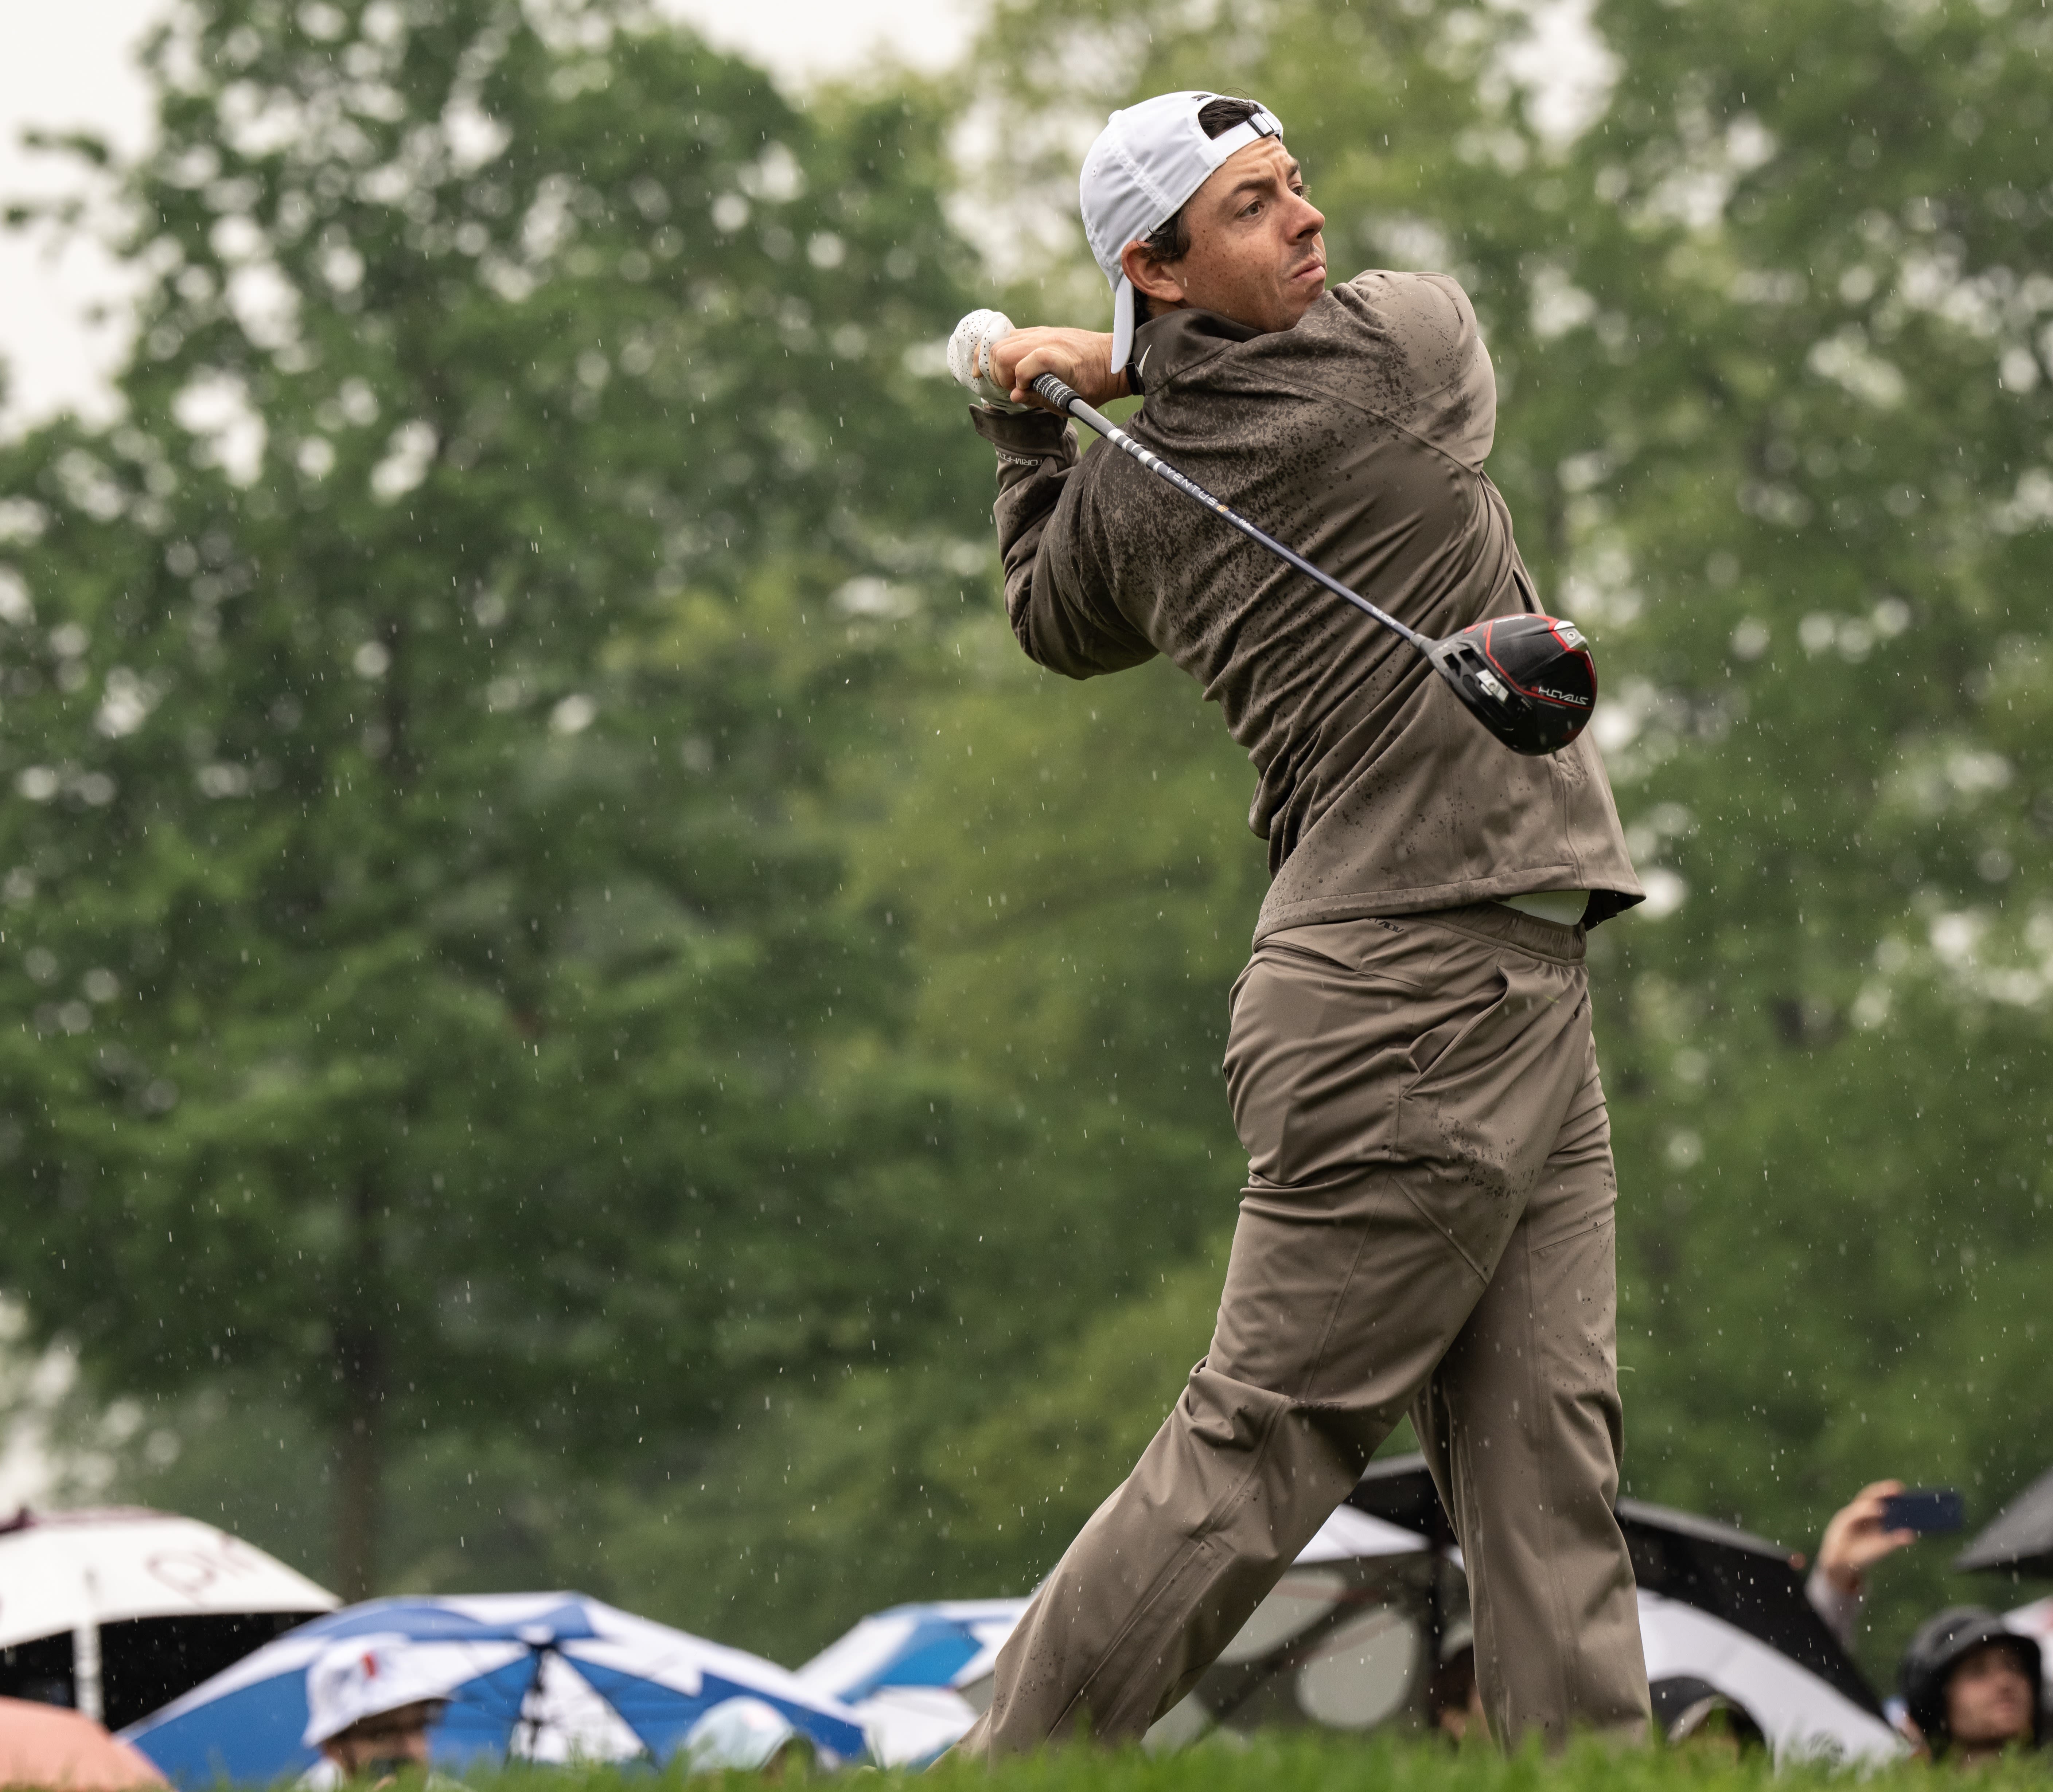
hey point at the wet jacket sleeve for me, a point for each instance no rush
(1059, 596)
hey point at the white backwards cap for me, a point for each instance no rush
(1147, 162)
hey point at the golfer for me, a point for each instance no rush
(1427, 1226)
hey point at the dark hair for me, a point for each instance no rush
(1170, 241)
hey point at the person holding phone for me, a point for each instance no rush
(1971, 1686)
(1857, 1536)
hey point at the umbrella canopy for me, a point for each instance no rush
(2020, 1539)
(1342, 1642)
(1350, 1534)
(950, 1642)
(1348, 1646)
(1745, 1580)
(46, 1745)
(919, 1674)
(60, 1570)
(1802, 1715)
(2035, 1620)
(101, 1567)
(903, 1670)
(544, 1677)
(1365, 1667)
(116, 1611)
(1748, 1582)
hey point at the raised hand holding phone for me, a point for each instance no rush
(1859, 1535)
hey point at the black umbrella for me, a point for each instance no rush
(1746, 1581)
(2019, 1539)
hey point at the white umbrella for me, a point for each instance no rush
(73, 1572)
(919, 1674)
(2035, 1620)
(1801, 1716)
(1350, 1533)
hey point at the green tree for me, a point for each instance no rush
(435, 1008)
(1769, 325)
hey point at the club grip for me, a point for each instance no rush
(1059, 395)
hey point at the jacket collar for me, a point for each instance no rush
(1169, 346)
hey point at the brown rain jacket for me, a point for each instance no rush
(1358, 438)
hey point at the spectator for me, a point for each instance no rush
(369, 1711)
(1693, 1713)
(1971, 1686)
(1853, 1542)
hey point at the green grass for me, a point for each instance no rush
(1319, 1764)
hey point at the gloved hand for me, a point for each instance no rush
(969, 357)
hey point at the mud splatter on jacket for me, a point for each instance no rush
(1359, 437)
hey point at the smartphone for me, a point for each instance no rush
(1925, 1510)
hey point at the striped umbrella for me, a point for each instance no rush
(539, 1676)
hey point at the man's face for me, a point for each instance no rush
(379, 1744)
(1989, 1698)
(1256, 255)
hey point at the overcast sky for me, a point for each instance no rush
(72, 65)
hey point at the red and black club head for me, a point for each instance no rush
(1530, 679)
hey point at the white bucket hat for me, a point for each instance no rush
(366, 1677)
(1146, 162)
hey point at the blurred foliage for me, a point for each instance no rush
(1769, 295)
(1316, 1761)
(438, 1009)
(1327, 1762)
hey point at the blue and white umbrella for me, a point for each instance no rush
(916, 1673)
(950, 1642)
(542, 1677)
(903, 1670)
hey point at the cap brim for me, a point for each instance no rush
(1122, 322)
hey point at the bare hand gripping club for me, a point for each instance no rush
(1530, 679)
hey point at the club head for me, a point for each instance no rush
(1530, 679)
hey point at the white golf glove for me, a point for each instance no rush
(969, 357)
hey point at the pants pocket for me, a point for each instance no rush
(1481, 1115)
(1444, 1048)
(1314, 1063)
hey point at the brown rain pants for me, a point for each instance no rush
(1427, 1228)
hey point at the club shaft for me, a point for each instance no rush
(1064, 398)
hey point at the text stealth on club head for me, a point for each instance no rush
(1529, 679)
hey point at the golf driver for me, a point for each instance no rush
(1530, 679)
